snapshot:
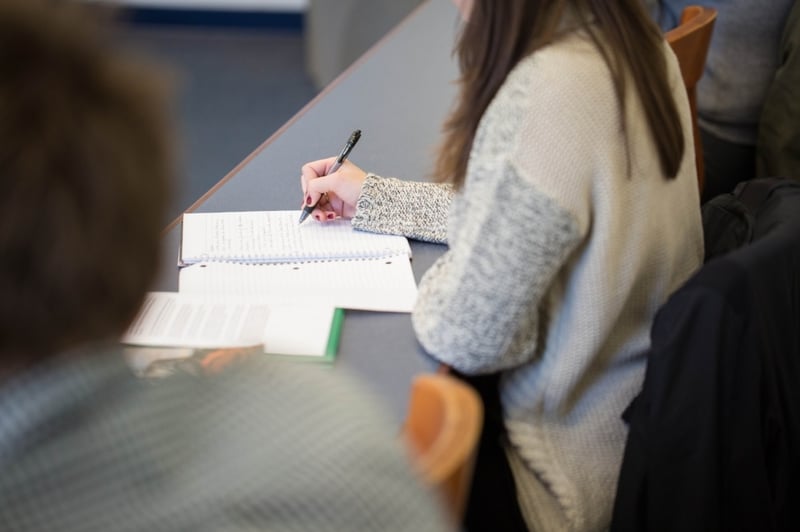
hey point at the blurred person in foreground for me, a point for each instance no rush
(84, 445)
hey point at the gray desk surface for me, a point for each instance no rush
(398, 94)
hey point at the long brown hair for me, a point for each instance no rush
(500, 33)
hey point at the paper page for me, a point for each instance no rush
(202, 321)
(275, 236)
(377, 284)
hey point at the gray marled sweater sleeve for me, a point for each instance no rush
(413, 209)
(479, 306)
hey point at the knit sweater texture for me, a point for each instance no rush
(563, 242)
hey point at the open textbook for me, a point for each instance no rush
(190, 321)
(269, 255)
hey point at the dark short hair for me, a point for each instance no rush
(85, 169)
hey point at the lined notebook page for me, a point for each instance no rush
(372, 284)
(275, 236)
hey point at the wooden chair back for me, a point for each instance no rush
(690, 41)
(442, 430)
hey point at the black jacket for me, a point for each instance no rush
(714, 440)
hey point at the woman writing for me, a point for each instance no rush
(568, 199)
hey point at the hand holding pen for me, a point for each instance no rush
(331, 186)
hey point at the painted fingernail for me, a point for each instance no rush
(317, 217)
(308, 199)
(330, 216)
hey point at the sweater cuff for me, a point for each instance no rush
(370, 192)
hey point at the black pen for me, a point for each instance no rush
(351, 142)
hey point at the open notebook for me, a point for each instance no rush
(269, 255)
(276, 237)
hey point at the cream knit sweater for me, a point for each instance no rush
(558, 259)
